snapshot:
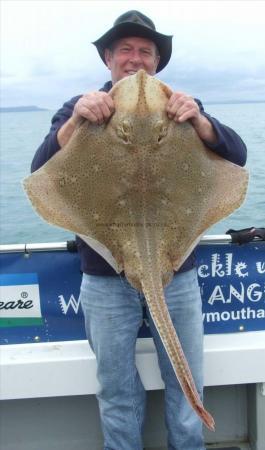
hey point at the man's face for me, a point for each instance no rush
(128, 55)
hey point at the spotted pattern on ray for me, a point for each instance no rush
(141, 190)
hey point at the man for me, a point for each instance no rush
(112, 308)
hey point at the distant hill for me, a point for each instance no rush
(21, 108)
(231, 102)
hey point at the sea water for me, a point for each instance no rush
(23, 132)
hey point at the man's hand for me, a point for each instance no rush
(182, 107)
(97, 107)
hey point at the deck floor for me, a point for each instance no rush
(226, 446)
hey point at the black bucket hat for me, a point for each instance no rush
(134, 23)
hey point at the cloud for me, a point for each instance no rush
(217, 48)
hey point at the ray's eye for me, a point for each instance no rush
(160, 130)
(124, 131)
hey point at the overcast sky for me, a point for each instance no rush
(47, 56)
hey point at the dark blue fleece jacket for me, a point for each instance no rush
(229, 146)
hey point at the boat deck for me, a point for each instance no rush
(228, 446)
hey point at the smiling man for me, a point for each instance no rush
(130, 45)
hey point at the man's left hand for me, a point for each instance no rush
(181, 107)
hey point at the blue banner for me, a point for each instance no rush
(39, 300)
(232, 280)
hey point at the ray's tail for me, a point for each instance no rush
(154, 294)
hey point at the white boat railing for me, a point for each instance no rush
(57, 246)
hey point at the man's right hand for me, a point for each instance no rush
(97, 107)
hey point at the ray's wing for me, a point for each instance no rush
(200, 189)
(78, 188)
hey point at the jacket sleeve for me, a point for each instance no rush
(50, 144)
(229, 145)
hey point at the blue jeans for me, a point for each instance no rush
(113, 312)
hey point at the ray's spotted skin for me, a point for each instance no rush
(141, 190)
